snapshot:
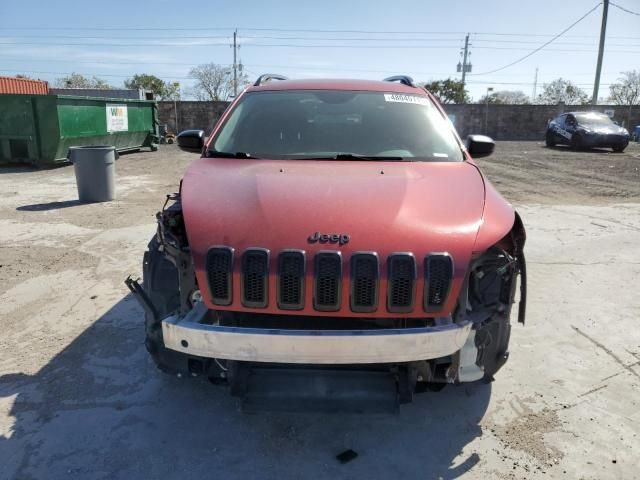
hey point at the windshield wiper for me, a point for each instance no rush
(214, 153)
(362, 158)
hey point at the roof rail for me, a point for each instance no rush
(403, 79)
(267, 77)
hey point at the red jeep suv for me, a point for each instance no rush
(335, 247)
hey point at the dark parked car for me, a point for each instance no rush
(586, 130)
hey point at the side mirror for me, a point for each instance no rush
(480, 146)
(191, 140)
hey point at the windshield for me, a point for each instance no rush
(594, 120)
(337, 125)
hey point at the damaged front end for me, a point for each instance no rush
(486, 300)
(169, 288)
(315, 355)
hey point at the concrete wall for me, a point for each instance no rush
(523, 122)
(505, 122)
(191, 115)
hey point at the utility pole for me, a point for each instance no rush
(535, 86)
(235, 64)
(176, 94)
(465, 67)
(486, 111)
(603, 30)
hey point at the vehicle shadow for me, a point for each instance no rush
(40, 207)
(100, 409)
(569, 148)
(16, 168)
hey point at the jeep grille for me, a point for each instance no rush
(402, 282)
(438, 272)
(364, 282)
(328, 280)
(255, 270)
(219, 266)
(291, 280)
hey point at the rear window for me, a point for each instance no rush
(324, 124)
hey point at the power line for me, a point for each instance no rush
(267, 66)
(231, 29)
(543, 45)
(334, 39)
(287, 30)
(330, 38)
(252, 65)
(102, 61)
(37, 72)
(108, 37)
(624, 9)
(221, 44)
(315, 46)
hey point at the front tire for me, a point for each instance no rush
(620, 148)
(577, 143)
(160, 283)
(549, 140)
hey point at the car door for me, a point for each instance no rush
(553, 128)
(570, 126)
(561, 128)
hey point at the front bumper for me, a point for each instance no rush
(187, 334)
(605, 139)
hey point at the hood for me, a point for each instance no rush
(383, 207)
(604, 130)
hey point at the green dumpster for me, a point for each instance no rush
(39, 129)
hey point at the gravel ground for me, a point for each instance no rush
(79, 397)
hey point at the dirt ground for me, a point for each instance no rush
(529, 172)
(79, 397)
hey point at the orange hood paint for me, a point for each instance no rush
(384, 207)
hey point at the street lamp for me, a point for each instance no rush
(486, 110)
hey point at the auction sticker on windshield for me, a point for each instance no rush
(400, 98)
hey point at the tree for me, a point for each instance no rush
(562, 90)
(448, 91)
(171, 91)
(627, 90)
(506, 97)
(214, 82)
(76, 80)
(161, 90)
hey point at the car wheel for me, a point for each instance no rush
(620, 148)
(160, 283)
(576, 142)
(549, 140)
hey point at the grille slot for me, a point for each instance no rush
(438, 272)
(291, 280)
(401, 286)
(364, 282)
(219, 266)
(327, 281)
(255, 271)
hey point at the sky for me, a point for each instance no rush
(329, 39)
